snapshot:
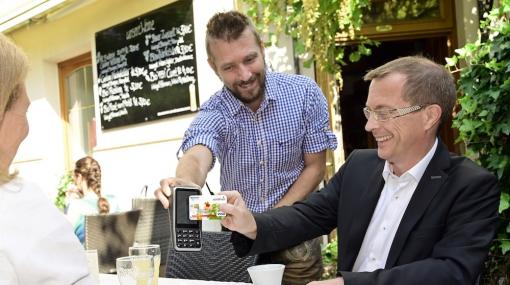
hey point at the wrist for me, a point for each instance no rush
(252, 231)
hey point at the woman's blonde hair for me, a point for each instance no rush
(90, 171)
(13, 70)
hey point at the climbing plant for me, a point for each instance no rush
(484, 118)
(329, 30)
(316, 26)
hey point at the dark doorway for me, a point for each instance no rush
(355, 89)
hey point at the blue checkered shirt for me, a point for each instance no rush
(261, 153)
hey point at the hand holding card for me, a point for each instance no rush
(206, 207)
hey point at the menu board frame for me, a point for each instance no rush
(145, 67)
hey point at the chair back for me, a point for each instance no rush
(112, 235)
(216, 261)
(154, 225)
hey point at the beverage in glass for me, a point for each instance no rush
(135, 270)
(151, 250)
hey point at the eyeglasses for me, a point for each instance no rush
(386, 114)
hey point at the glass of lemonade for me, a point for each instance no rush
(135, 270)
(151, 250)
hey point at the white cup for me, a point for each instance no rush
(93, 263)
(266, 274)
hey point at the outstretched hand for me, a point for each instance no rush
(238, 218)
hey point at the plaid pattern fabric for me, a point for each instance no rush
(261, 153)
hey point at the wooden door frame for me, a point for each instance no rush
(65, 68)
(447, 28)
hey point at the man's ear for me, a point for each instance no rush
(213, 66)
(432, 114)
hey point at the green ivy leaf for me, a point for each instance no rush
(504, 202)
(299, 47)
(451, 61)
(504, 128)
(354, 56)
(505, 246)
(308, 63)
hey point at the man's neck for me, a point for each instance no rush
(399, 169)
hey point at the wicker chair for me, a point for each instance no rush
(154, 225)
(112, 235)
(216, 261)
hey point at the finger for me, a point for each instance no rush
(162, 198)
(227, 223)
(229, 209)
(166, 184)
(232, 196)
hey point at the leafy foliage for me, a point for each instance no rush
(315, 25)
(65, 181)
(329, 259)
(484, 118)
(402, 10)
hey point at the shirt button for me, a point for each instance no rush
(261, 162)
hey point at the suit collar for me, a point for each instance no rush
(429, 185)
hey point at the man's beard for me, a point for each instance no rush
(261, 79)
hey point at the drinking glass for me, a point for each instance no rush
(151, 250)
(135, 270)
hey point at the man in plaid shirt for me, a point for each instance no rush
(269, 131)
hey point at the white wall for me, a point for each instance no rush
(131, 156)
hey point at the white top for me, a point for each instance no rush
(392, 204)
(37, 244)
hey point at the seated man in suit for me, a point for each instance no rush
(407, 213)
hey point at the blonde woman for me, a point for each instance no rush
(37, 245)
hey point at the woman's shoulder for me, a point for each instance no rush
(29, 210)
(23, 195)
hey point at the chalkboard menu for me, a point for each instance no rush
(146, 67)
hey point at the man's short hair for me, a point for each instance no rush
(228, 26)
(426, 82)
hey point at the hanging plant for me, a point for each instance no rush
(316, 26)
(393, 10)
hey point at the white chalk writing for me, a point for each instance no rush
(129, 74)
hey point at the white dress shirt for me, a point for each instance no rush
(392, 204)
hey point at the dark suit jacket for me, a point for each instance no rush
(443, 237)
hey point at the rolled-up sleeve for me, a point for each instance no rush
(206, 130)
(318, 135)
